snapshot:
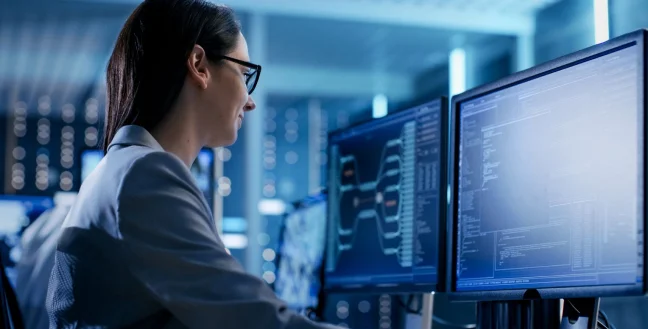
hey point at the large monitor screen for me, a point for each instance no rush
(301, 254)
(384, 201)
(551, 177)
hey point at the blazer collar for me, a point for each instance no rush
(134, 135)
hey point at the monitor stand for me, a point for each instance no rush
(424, 319)
(427, 311)
(580, 313)
(539, 314)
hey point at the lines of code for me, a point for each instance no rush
(550, 180)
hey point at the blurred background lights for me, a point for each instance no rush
(268, 255)
(44, 105)
(91, 136)
(68, 113)
(269, 277)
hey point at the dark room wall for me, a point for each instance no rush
(495, 69)
(563, 28)
(627, 16)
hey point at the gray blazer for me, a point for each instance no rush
(139, 249)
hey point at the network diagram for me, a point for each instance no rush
(387, 199)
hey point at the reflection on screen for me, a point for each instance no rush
(300, 257)
(550, 180)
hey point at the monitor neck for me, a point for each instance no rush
(581, 313)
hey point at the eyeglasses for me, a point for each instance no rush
(252, 76)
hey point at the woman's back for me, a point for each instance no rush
(140, 248)
(91, 283)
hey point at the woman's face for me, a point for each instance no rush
(227, 98)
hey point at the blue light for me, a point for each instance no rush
(379, 106)
(601, 21)
(457, 71)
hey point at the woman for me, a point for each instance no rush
(140, 248)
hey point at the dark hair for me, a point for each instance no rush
(147, 68)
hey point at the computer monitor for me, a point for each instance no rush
(548, 174)
(387, 190)
(89, 160)
(202, 169)
(301, 253)
(16, 213)
(203, 172)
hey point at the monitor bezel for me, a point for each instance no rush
(637, 38)
(309, 201)
(440, 284)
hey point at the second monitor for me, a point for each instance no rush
(300, 257)
(387, 191)
(550, 179)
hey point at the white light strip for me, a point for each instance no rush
(235, 241)
(64, 199)
(457, 71)
(272, 207)
(601, 21)
(379, 106)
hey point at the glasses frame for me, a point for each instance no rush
(256, 74)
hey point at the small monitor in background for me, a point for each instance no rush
(203, 172)
(89, 160)
(16, 213)
(202, 169)
(300, 255)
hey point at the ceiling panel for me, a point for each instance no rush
(366, 46)
(61, 47)
(501, 6)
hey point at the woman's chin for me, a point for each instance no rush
(223, 141)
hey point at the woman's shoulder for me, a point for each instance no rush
(158, 186)
(153, 168)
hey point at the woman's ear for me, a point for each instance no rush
(198, 66)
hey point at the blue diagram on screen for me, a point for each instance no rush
(550, 180)
(300, 257)
(384, 200)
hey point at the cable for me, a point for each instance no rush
(604, 317)
(408, 308)
(601, 321)
(600, 324)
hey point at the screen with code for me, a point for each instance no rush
(384, 188)
(551, 178)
